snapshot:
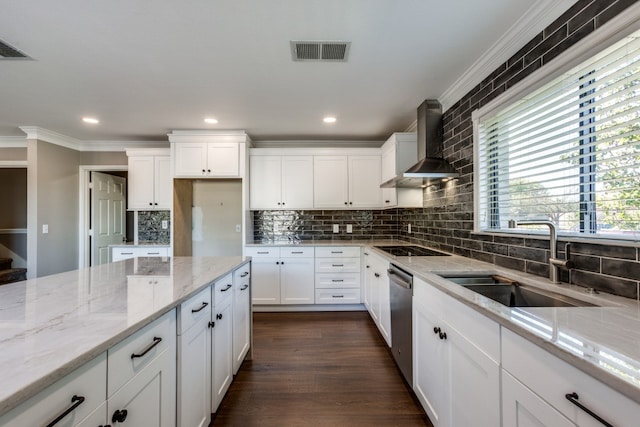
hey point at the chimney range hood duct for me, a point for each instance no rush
(431, 167)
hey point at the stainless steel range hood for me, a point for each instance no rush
(432, 167)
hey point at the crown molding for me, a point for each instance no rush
(13, 142)
(317, 144)
(199, 135)
(42, 134)
(121, 145)
(536, 19)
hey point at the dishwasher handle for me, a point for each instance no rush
(399, 278)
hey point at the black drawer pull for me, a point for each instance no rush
(225, 289)
(337, 280)
(376, 274)
(336, 252)
(119, 416)
(75, 402)
(337, 296)
(219, 316)
(337, 265)
(297, 252)
(197, 310)
(126, 253)
(263, 253)
(153, 253)
(156, 341)
(573, 398)
(244, 287)
(245, 274)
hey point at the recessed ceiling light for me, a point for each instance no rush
(90, 120)
(329, 120)
(210, 121)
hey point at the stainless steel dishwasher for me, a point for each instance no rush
(401, 293)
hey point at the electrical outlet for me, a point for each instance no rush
(336, 228)
(409, 228)
(165, 224)
(238, 228)
(45, 228)
(349, 228)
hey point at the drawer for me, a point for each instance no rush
(120, 253)
(337, 280)
(152, 251)
(338, 296)
(124, 360)
(338, 251)
(552, 378)
(88, 381)
(297, 252)
(242, 275)
(337, 265)
(222, 288)
(194, 309)
(262, 252)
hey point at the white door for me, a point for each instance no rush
(222, 350)
(365, 176)
(190, 159)
(265, 280)
(297, 182)
(297, 281)
(162, 183)
(223, 159)
(265, 182)
(330, 186)
(108, 207)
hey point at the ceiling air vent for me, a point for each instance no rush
(326, 51)
(8, 52)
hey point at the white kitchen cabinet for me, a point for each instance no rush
(194, 361)
(241, 315)
(282, 275)
(81, 392)
(141, 376)
(399, 153)
(222, 374)
(207, 160)
(346, 182)
(549, 379)
(150, 186)
(118, 253)
(281, 182)
(376, 293)
(456, 360)
(337, 278)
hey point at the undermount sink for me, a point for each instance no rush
(511, 293)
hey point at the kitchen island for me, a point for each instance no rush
(53, 325)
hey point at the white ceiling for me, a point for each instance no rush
(147, 67)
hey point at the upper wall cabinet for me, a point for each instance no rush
(347, 182)
(399, 153)
(281, 182)
(208, 155)
(150, 183)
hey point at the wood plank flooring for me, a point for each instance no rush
(319, 369)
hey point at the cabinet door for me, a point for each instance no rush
(388, 163)
(265, 182)
(222, 351)
(385, 303)
(190, 159)
(265, 280)
(223, 159)
(241, 315)
(96, 418)
(330, 182)
(430, 368)
(149, 398)
(523, 408)
(163, 183)
(475, 383)
(194, 373)
(297, 281)
(297, 182)
(364, 182)
(141, 182)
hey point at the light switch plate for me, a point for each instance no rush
(349, 228)
(336, 228)
(165, 224)
(409, 228)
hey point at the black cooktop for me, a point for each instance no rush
(410, 250)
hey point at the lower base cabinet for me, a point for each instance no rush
(222, 340)
(456, 360)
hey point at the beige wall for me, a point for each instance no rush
(8, 154)
(52, 200)
(111, 158)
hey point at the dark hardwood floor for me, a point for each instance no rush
(319, 369)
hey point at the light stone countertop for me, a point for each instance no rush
(609, 333)
(52, 325)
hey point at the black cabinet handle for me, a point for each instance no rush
(436, 330)
(345, 203)
(219, 316)
(443, 335)
(337, 296)
(376, 274)
(245, 274)
(336, 252)
(244, 287)
(209, 170)
(212, 324)
(119, 416)
(203, 171)
(225, 289)
(297, 252)
(75, 402)
(197, 310)
(337, 280)
(150, 204)
(337, 265)
(156, 341)
(573, 398)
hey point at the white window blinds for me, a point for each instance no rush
(568, 152)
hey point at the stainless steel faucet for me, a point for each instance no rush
(554, 262)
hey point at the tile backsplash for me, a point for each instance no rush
(150, 227)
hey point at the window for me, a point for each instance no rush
(568, 152)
